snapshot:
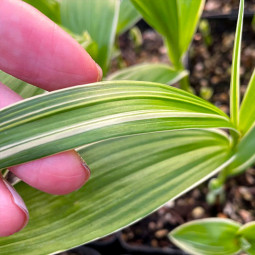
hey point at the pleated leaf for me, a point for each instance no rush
(247, 233)
(73, 117)
(99, 18)
(131, 177)
(22, 88)
(128, 16)
(247, 111)
(176, 20)
(149, 72)
(213, 236)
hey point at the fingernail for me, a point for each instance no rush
(86, 167)
(100, 73)
(17, 200)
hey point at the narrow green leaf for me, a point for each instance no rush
(235, 73)
(149, 72)
(99, 18)
(247, 232)
(22, 88)
(131, 176)
(73, 117)
(51, 8)
(213, 236)
(247, 112)
(128, 16)
(175, 20)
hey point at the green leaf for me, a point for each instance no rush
(50, 8)
(85, 41)
(149, 72)
(128, 16)
(235, 73)
(244, 155)
(73, 117)
(171, 18)
(99, 18)
(189, 12)
(247, 232)
(131, 176)
(213, 236)
(159, 14)
(247, 112)
(22, 88)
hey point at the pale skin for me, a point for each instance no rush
(34, 49)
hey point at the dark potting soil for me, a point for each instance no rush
(210, 68)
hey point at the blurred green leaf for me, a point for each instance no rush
(128, 16)
(136, 37)
(244, 154)
(235, 73)
(213, 236)
(149, 72)
(85, 41)
(247, 232)
(99, 18)
(189, 12)
(50, 8)
(247, 111)
(22, 88)
(131, 177)
(253, 23)
(171, 18)
(76, 116)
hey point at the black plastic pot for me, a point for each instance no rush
(117, 246)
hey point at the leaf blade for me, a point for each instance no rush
(128, 16)
(247, 110)
(149, 72)
(235, 73)
(247, 232)
(51, 8)
(171, 18)
(99, 18)
(24, 89)
(244, 155)
(159, 14)
(189, 14)
(127, 173)
(56, 121)
(208, 237)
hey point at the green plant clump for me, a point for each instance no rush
(146, 143)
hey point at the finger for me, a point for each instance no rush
(58, 174)
(13, 212)
(34, 49)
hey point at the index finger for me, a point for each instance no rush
(34, 49)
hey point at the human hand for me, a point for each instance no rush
(36, 50)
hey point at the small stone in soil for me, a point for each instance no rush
(161, 233)
(198, 212)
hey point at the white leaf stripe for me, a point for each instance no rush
(86, 126)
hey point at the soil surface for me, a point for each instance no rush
(209, 62)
